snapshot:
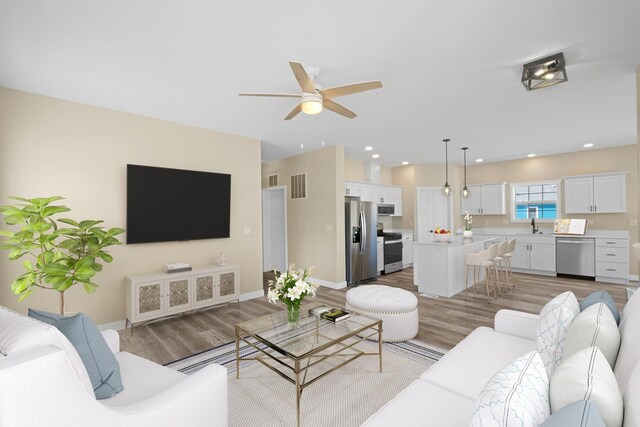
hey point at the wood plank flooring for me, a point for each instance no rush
(443, 321)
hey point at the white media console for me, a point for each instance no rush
(151, 296)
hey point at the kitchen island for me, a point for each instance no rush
(438, 267)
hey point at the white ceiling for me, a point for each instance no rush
(449, 69)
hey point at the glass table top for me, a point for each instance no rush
(314, 334)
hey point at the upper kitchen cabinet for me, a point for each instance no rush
(486, 199)
(605, 193)
(377, 193)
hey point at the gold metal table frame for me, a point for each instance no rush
(327, 340)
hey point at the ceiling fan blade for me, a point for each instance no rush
(296, 110)
(334, 92)
(279, 95)
(337, 108)
(302, 77)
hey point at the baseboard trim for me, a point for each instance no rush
(328, 284)
(251, 295)
(118, 326)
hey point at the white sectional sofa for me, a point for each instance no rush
(39, 387)
(445, 394)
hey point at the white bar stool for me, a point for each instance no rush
(500, 267)
(511, 247)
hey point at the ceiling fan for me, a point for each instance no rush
(313, 98)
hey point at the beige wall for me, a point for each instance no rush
(638, 145)
(54, 147)
(355, 170)
(315, 225)
(622, 158)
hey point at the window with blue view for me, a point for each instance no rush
(539, 201)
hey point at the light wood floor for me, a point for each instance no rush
(443, 321)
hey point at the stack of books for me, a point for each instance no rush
(330, 313)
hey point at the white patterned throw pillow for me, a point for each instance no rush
(518, 395)
(553, 324)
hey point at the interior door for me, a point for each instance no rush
(433, 209)
(274, 229)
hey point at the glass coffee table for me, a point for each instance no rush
(304, 355)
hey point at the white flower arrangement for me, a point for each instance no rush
(468, 220)
(291, 287)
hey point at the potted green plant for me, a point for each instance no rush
(60, 256)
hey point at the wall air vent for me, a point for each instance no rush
(273, 180)
(299, 186)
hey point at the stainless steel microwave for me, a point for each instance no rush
(386, 210)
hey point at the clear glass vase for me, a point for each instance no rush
(293, 316)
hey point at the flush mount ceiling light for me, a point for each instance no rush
(368, 148)
(544, 72)
(479, 160)
(465, 190)
(405, 163)
(531, 155)
(375, 156)
(446, 190)
(588, 145)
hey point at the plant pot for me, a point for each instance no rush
(293, 316)
(467, 234)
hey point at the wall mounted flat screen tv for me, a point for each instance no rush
(165, 205)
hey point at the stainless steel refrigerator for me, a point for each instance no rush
(361, 240)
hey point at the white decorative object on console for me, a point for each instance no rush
(222, 259)
(151, 296)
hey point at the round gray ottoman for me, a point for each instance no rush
(397, 308)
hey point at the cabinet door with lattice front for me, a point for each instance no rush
(149, 301)
(204, 289)
(228, 285)
(177, 294)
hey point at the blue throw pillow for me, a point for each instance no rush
(577, 414)
(603, 297)
(82, 332)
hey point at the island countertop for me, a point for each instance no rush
(455, 241)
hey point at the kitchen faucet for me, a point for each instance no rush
(533, 226)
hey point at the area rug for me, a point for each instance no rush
(346, 397)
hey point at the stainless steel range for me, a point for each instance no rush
(392, 252)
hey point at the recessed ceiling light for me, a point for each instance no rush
(368, 148)
(405, 163)
(531, 155)
(375, 156)
(479, 160)
(588, 145)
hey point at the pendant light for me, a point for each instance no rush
(465, 190)
(446, 190)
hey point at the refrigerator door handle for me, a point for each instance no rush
(363, 237)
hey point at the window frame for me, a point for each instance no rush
(531, 183)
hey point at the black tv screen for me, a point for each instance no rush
(165, 205)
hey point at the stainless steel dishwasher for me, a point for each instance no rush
(576, 256)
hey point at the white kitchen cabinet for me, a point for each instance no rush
(377, 193)
(151, 296)
(486, 199)
(351, 189)
(595, 194)
(537, 254)
(407, 250)
(612, 260)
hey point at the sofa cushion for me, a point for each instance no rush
(595, 326)
(101, 364)
(601, 296)
(141, 378)
(518, 395)
(577, 414)
(468, 366)
(422, 404)
(586, 375)
(20, 333)
(553, 324)
(629, 353)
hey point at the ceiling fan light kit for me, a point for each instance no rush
(311, 103)
(544, 72)
(313, 98)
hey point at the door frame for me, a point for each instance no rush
(283, 189)
(415, 207)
